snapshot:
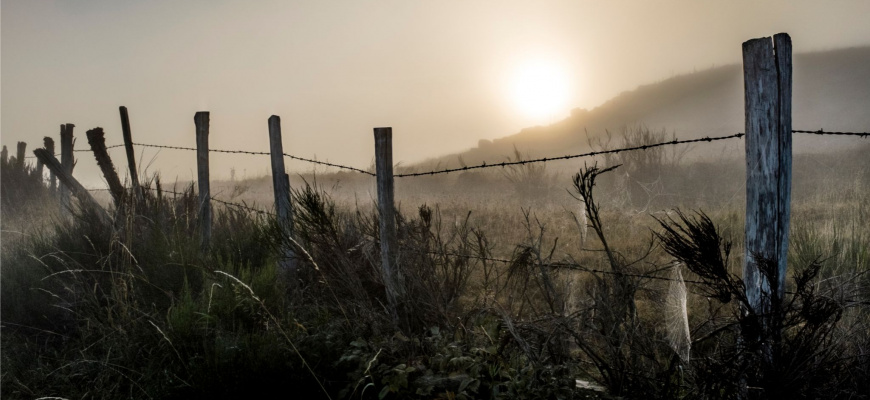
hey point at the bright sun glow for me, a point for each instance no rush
(540, 89)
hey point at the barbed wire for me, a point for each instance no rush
(576, 267)
(224, 202)
(331, 165)
(260, 153)
(86, 150)
(568, 157)
(82, 150)
(484, 165)
(822, 132)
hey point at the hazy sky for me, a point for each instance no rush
(442, 73)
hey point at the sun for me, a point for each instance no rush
(540, 89)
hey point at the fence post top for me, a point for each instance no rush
(769, 39)
(385, 132)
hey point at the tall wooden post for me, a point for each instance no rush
(767, 72)
(131, 156)
(48, 145)
(387, 220)
(67, 162)
(281, 187)
(97, 140)
(201, 119)
(768, 79)
(19, 155)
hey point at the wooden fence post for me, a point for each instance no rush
(387, 219)
(767, 72)
(67, 161)
(97, 140)
(281, 187)
(131, 156)
(4, 154)
(71, 183)
(19, 157)
(48, 144)
(201, 119)
(40, 167)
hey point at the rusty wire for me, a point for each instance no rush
(568, 157)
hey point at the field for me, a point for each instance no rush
(520, 282)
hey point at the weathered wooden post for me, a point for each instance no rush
(131, 156)
(767, 72)
(4, 154)
(768, 161)
(281, 187)
(19, 155)
(201, 120)
(48, 144)
(387, 220)
(71, 183)
(40, 167)
(97, 140)
(66, 161)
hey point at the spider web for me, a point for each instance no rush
(676, 315)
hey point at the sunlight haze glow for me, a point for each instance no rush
(540, 89)
(444, 74)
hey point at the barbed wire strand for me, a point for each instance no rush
(822, 132)
(568, 157)
(575, 267)
(228, 203)
(259, 153)
(484, 165)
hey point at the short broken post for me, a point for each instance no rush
(19, 157)
(67, 162)
(71, 183)
(201, 119)
(387, 221)
(40, 168)
(131, 156)
(4, 154)
(48, 145)
(97, 140)
(283, 207)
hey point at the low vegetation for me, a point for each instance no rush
(640, 307)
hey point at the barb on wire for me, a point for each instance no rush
(329, 164)
(822, 132)
(568, 157)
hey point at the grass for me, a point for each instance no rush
(137, 310)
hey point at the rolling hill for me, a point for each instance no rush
(831, 91)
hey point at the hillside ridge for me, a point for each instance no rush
(831, 91)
